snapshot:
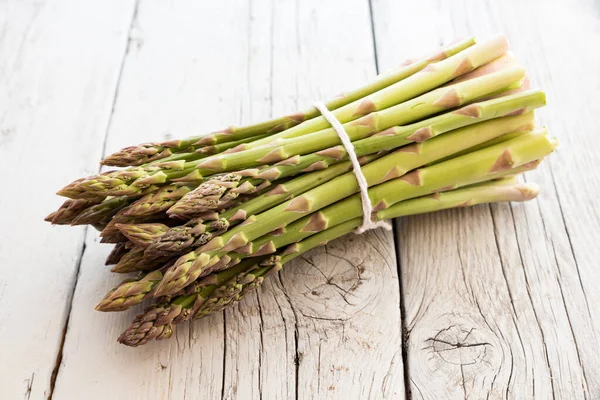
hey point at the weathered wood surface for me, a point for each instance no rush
(498, 301)
(59, 63)
(503, 301)
(309, 330)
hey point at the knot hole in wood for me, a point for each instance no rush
(338, 280)
(459, 345)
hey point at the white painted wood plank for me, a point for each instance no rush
(180, 77)
(299, 336)
(59, 63)
(501, 301)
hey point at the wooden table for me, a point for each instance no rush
(486, 302)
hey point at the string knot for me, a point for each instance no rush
(367, 207)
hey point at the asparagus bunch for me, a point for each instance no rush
(204, 220)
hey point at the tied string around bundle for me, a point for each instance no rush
(367, 207)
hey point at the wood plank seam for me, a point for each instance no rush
(69, 306)
(56, 370)
(403, 328)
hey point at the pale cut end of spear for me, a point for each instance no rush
(528, 191)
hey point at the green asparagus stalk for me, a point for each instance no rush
(158, 318)
(196, 233)
(433, 102)
(192, 205)
(215, 254)
(143, 234)
(184, 239)
(133, 181)
(296, 231)
(338, 213)
(488, 192)
(157, 202)
(220, 289)
(429, 78)
(194, 264)
(129, 292)
(137, 155)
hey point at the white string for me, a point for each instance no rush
(367, 207)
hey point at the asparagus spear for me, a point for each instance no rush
(70, 210)
(135, 180)
(143, 234)
(129, 292)
(298, 230)
(220, 289)
(185, 240)
(335, 214)
(191, 205)
(432, 102)
(137, 155)
(429, 78)
(215, 255)
(156, 243)
(117, 253)
(195, 264)
(196, 233)
(235, 289)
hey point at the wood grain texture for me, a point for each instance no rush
(305, 351)
(502, 301)
(309, 330)
(59, 63)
